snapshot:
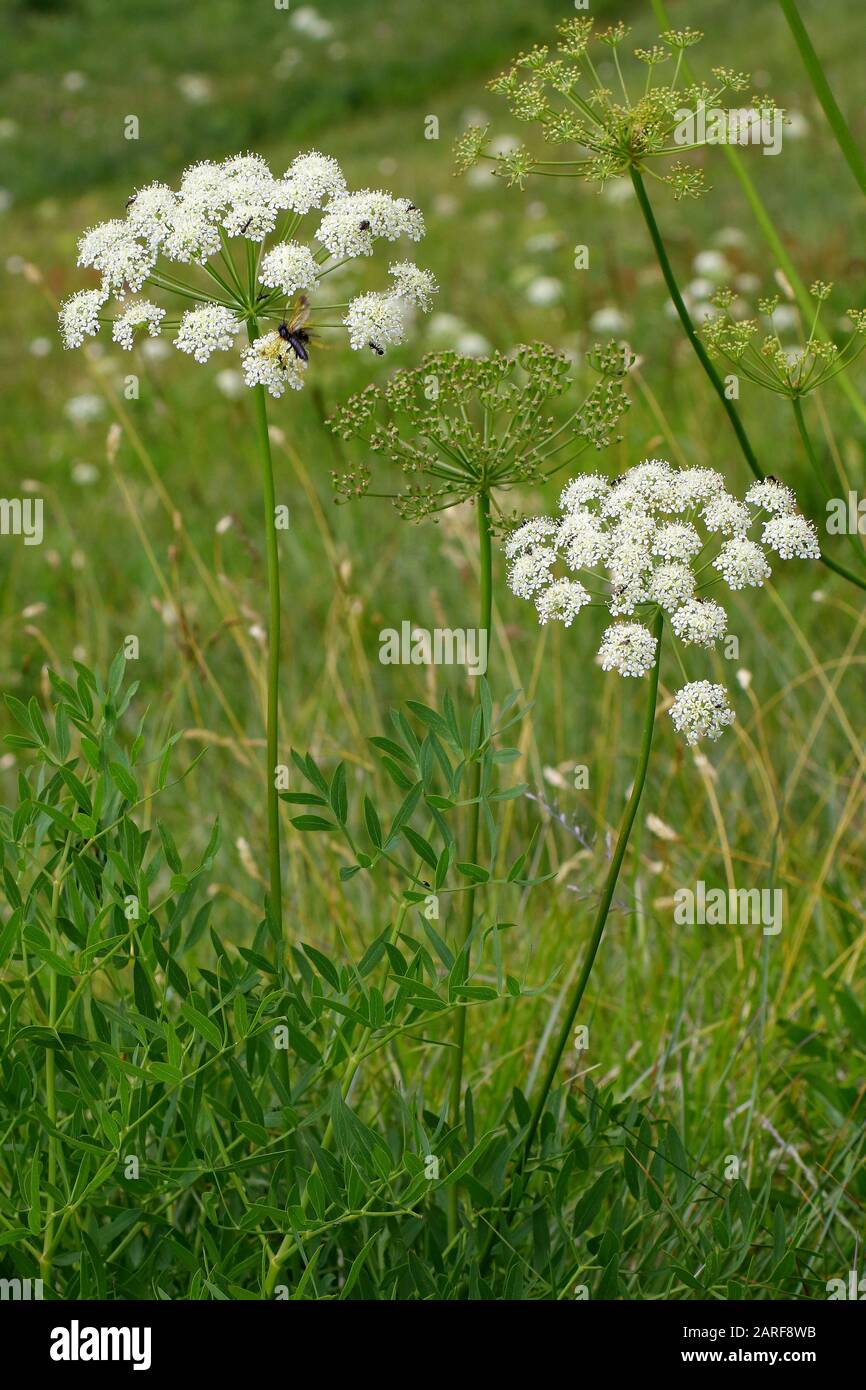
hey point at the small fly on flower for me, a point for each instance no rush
(294, 333)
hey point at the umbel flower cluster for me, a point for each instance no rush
(620, 123)
(235, 229)
(658, 537)
(459, 426)
(791, 370)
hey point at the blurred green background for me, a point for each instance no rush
(136, 546)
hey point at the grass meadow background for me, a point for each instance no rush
(751, 1046)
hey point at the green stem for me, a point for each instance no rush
(628, 819)
(688, 326)
(485, 557)
(812, 64)
(602, 913)
(703, 357)
(272, 550)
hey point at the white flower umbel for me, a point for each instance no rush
(413, 284)
(792, 537)
(270, 362)
(701, 710)
(142, 314)
(561, 602)
(583, 539)
(191, 238)
(589, 487)
(530, 571)
(672, 585)
(650, 541)
(79, 316)
(183, 242)
(628, 648)
(532, 533)
(700, 622)
(375, 321)
(150, 211)
(311, 180)
(113, 249)
(354, 221)
(206, 330)
(289, 267)
(725, 514)
(677, 540)
(771, 496)
(742, 564)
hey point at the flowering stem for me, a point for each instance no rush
(812, 64)
(485, 556)
(625, 828)
(703, 357)
(269, 500)
(628, 819)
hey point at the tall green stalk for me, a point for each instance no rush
(610, 882)
(601, 916)
(273, 561)
(704, 358)
(823, 91)
(485, 558)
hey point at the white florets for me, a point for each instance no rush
(209, 329)
(629, 648)
(289, 267)
(353, 221)
(239, 197)
(190, 236)
(376, 321)
(771, 496)
(310, 180)
(725, 514)
(701, 710)
(270, 362)
(583, 539)
(413, 284)
(562, 601)
(588, 487)
(792, 536)
(79, 316)
(677, 540)
(742, 564)
(700, 622)
(143, 314)
(531, 533)
(111, 248)
(672, 585)
(150, 212)
(530, 571)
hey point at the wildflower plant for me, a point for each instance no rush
(793, 371)
(467, 429)
(236, 251)
(460, 428)
(658, 542)
(631, 125)
(653, 544)
(626, 130)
